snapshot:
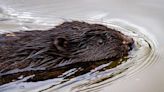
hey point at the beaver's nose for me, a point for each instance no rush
(128, 41)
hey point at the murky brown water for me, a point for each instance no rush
(114, 76)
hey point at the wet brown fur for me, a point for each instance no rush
(46, 52)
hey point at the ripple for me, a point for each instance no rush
(146, 51)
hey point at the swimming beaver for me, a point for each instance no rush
(70, 43)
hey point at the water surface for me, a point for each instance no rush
(140, 19)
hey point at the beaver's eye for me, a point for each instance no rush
(61, 43)
(100, 41)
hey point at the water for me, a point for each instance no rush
(132, 18)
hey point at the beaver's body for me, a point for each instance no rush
(28, 52)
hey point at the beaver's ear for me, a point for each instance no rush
(61, 43)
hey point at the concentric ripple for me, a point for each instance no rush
(143, 55)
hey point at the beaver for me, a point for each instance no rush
(45, 52)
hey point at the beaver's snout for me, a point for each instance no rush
(128, 41)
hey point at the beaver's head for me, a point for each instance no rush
(87, 43)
